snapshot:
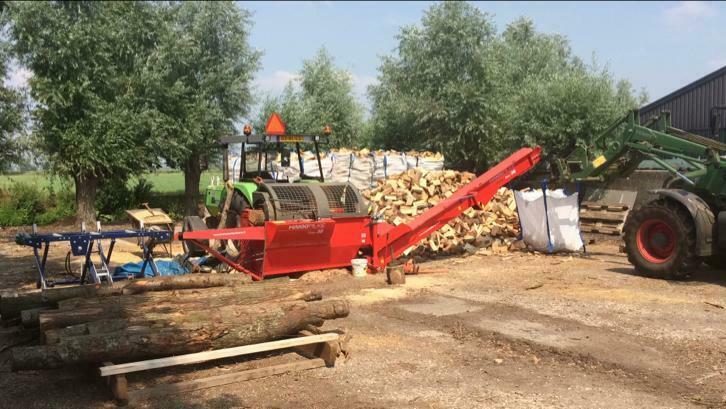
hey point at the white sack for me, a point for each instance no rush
(361, 171)
(561, 215)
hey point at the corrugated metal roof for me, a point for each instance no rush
(719, 72)
(690, 105)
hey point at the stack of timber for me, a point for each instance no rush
(107, 325)
(401, 198)
(602, 218)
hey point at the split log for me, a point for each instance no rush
(262, 322)
(12, 303)
(400, 198)
(139, 309)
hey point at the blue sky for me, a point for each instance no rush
(658, 46)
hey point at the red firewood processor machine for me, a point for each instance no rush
(289, 228)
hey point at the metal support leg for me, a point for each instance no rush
(41, 266)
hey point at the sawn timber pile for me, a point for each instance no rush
(402, 197)
(122, 328)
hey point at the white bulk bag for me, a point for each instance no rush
(549, 223)
(388, 164)
(361, 171)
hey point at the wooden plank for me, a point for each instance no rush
(603, 230)
(602, 215)
(217, 354)
(118, 386)
(225, 379)
(601, 206)
(328, 351)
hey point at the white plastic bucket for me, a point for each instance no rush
(360, 267)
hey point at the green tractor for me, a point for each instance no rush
(686, 225)
(251, 175)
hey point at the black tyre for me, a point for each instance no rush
(236, 206)
(660, 239)
(194, 223)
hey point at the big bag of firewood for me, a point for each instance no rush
(550, 221)
(387, 164)
(361, 170)
(310, 166)
(428, 161)
(342, 159)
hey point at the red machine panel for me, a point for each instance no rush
(312, 244)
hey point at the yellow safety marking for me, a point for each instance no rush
(599, 161)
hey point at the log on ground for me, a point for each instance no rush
(262, 322)
(137, 307)
(12, 303)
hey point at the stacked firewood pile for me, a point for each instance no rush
(141, 319)
(493, 229)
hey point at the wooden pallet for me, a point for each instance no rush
(320, 349)
(602, 218)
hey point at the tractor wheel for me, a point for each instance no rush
(194, 223)
(233, 220)
(236, 206)
(659, 240)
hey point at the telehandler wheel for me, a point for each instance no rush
(659, 240)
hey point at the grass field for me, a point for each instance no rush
(164, 182)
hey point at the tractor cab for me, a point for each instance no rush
(256, 155)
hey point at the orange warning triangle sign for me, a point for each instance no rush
(275, 126)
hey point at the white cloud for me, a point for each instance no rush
(274, 83)
(688, 12)
(18, 78)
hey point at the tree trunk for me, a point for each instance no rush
(12, 336)
(192, 174)
(254, 324)
(86, 186)
(98, 320)
(12, 303)
(141, 307)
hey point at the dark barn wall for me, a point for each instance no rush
(690, 105)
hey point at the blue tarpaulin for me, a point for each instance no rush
(133, 270)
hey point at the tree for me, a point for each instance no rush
(437, 92)
(322, 94)
(457, 86)
(200, 76)
(552, 97)
(11, 119)
(92, 117)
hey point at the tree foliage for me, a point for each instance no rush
(11, 119)
(457, 86)
(92, 117)
(322, 94)
(200, 76)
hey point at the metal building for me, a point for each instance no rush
(690, 106)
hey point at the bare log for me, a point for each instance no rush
(29, 318)
(138, 308)
(263, 322)
(12, 303)
(12, 336)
